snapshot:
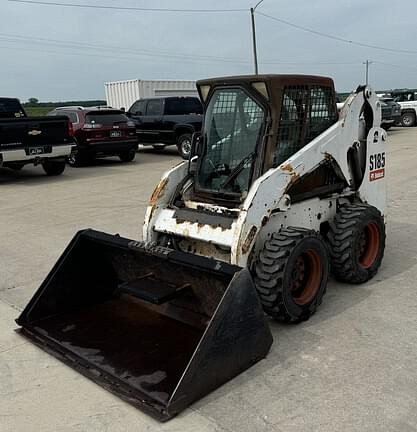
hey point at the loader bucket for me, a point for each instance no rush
(157, 327)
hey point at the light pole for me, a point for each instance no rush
(255, 54)
(367, 63)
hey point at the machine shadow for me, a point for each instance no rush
(290, 340)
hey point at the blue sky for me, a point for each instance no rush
(62, 53)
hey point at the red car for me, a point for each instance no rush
(99, 132)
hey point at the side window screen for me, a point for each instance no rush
(154, 107)
(306, 112)
(322, 111)
(294, 112)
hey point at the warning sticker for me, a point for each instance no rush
(377, 174)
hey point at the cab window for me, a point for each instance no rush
(306, 112)
(138, 108)
(154, 107)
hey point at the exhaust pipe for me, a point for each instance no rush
(158, 328)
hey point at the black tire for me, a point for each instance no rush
(53, 168)
(291, 274)
(128, 156)
(78, 159)
(357, 243)
(184, 145)
(408, 119)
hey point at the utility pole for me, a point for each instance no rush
(255, 53)
(367, 63)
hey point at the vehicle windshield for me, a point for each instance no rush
(233, 125)
(106, 118)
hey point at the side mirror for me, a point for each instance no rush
(128, 114)
(123, 109)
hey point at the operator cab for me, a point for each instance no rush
(252, 124)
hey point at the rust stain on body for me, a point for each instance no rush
(157, 193)
(294, 178)
(328, 156)
(287, 167)
(249, 239)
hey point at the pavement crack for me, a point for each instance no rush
(13, 347)
(13, 306)
(22, 285)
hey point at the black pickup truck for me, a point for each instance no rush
(167, 121)
(26, 140)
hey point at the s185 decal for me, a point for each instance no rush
(377, 166)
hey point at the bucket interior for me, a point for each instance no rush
(158, 328)
(87, 310)
(142, 347)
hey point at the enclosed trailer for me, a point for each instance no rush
(122, 94)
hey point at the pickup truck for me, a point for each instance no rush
(26, 140)
(391, 112)
(407, 98)
(167, 121)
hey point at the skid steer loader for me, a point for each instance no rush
(279, 189)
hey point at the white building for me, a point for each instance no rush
(122, 94)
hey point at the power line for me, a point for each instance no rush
(87, 47)
(127, 8)
(395, 66)
(123, 50)
(337, 38)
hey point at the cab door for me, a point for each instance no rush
(137, 113)
(151, 126)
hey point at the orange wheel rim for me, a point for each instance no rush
(369, 243)
(306, 277)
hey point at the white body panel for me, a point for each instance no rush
(408, 106)
(267, 208)
(21, 156)
(122, 94)
(165, 223)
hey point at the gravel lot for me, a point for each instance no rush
(349, 368)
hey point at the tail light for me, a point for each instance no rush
(70, 129)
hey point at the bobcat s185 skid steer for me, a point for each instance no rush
(279, 190)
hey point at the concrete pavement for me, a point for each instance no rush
(351, 367)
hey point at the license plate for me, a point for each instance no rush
(36, 150)
(115, 134)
